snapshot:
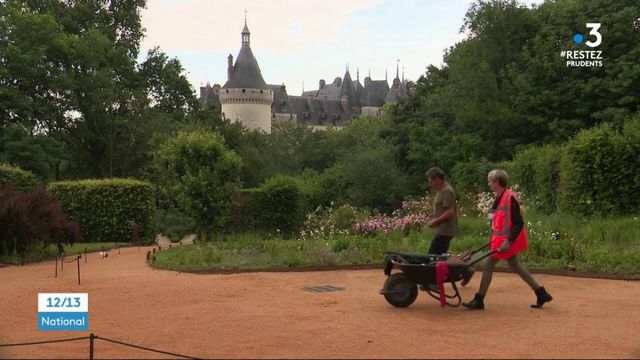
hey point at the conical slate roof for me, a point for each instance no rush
(246, 72)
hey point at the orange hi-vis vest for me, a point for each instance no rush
(501, 225)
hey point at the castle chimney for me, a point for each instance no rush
(229, 66)
(321, 85)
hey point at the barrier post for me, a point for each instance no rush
(85, 255)
(91, 337)
(78, 262)
(62, 262)
(56, 266)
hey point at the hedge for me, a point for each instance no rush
(105, 207)
(278, 206)
(14, 177)
(471, 176)
(537, 171)
(600, 172)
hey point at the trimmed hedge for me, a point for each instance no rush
(280, 205)
(105, 207)
(14, 177)
(600, 172)
(537, 171)
(471, 176)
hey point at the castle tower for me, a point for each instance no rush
(245, 96)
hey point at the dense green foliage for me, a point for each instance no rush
(505, 87)
(16, 178)
(197, 176)
(537, 171)
(280, 205)
(68, 70)
(600, 171)
(105, 208)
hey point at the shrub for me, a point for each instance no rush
(105, 208)
(471, 176)
(198, 175)
(30, 222)
(281, 205)
(14, 177)
(324, 188)
(599, 172)
(537, 171)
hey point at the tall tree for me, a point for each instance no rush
(69, 71)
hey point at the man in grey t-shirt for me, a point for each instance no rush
(445, 215)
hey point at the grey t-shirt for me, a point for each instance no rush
(446, 198)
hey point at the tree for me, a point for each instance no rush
(505, 86)
(198, 175)
(39, 154)
(68, 70)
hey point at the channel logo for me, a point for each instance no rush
(585, 58)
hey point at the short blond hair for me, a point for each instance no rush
(500, 176)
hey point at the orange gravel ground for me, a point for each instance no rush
(268, 315)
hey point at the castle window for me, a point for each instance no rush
(260, 91)
(243, 90)
(227, 91)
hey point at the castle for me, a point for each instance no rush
(246, 97)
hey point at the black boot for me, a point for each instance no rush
(542, 297)
(476, 304)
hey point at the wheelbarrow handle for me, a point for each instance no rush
(480, 248)
(480, 258)
(469, 253)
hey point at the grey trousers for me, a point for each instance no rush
(515, 266)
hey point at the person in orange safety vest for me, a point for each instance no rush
(508, 237)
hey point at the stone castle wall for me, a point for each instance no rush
(252, 107)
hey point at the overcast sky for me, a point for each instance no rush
(302, 41)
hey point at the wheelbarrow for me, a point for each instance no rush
(418, 271)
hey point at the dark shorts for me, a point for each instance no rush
(440, 244)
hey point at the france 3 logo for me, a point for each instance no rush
(585, 58)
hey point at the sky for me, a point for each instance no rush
(299, 42)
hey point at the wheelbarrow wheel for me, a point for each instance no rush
(400, 290)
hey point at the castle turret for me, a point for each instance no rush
(245, 97)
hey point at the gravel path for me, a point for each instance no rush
(268, 315)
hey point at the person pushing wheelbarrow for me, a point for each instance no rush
(508, 238)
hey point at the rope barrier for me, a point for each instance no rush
(93, 337)
(144, 348)
(44, 342)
